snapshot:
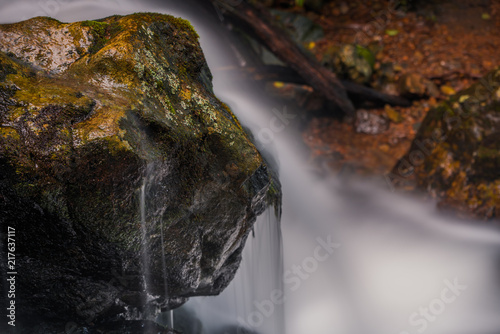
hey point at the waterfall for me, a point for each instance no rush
(246, 306)
(144, 240)
(148, 188)
(357, 258)
(164, 272)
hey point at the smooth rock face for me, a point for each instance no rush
(456, 154)
(95, 118)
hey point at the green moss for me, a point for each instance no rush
(9, 132)
(366, 54)
(183, 25)
(42, 91)
(97, 27)
(463, 167)
(6, 69)
(120, 70)
(137, 90)
(102, 33)
(138, 105)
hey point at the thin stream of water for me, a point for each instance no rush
(164, 269)
(144, 241)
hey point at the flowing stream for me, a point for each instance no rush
(356, 257)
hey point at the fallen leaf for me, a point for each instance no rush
(447, 90)
(384, 148)
(391, 32)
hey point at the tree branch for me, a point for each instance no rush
(260, 23)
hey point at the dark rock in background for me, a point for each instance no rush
(456, 153)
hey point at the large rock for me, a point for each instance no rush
(97, 117)
(456, 153)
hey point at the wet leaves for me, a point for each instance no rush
(393, 115)
(430, 55)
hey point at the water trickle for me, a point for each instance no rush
(164, 272)
(248, 305)
(148, 190)
(144, 240)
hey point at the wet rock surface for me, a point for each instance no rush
(415, 51)
(122, 327)
(415, 85)
(370, 123)
(94, 115)
(455, 155)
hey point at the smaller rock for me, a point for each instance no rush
(390, 89)
(353, 62)
(412, 84)
(370, 123)
(432, 89)
(455, 155)
(415, 85)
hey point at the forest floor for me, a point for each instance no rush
(452, 44)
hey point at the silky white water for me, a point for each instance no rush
(150, 215)
(258, 275)
(357, 258)
(392, 257)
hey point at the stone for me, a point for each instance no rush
(414, 85)
(353, 62)
(370, 123)
(95, 118)
(456, 153)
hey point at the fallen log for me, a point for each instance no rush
(260, 23)
(286, 74)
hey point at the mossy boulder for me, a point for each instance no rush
(456, 153)
(353, 62)
(97, 117)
